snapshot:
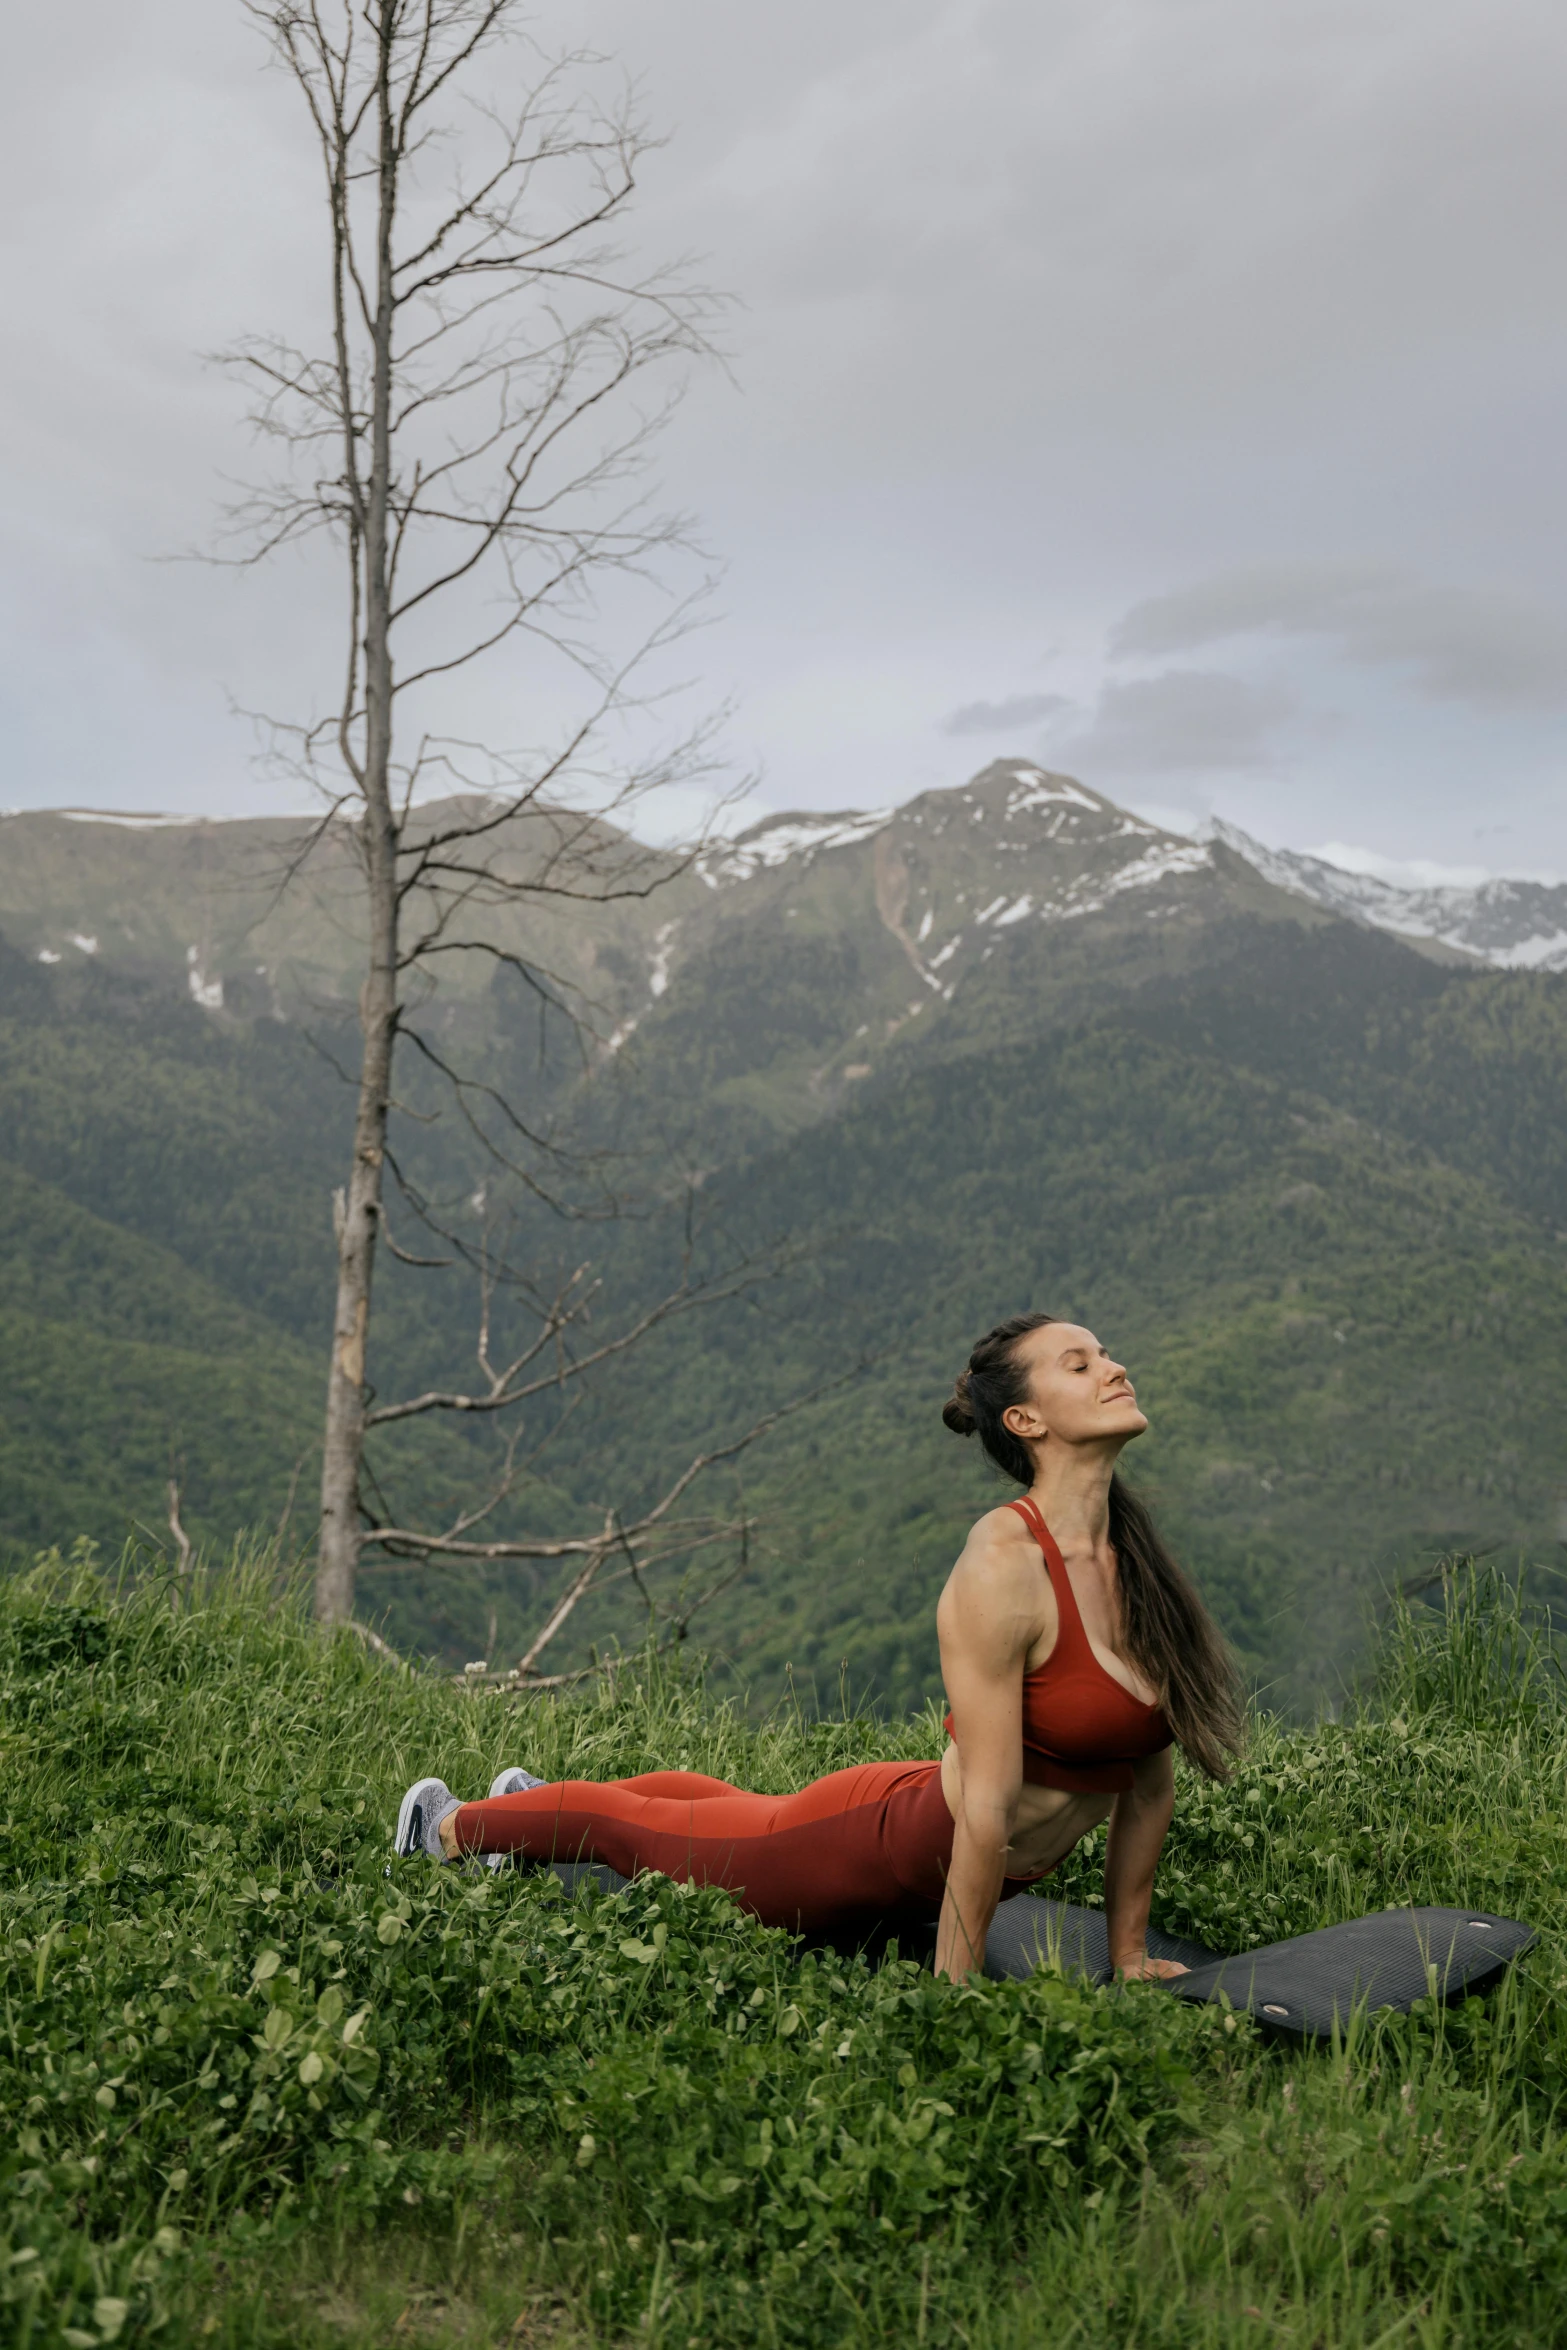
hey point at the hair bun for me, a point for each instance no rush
(957, 1412)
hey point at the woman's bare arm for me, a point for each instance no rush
(988, 1619)
(1137, 1832)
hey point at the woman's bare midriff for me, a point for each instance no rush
(1050, 1820)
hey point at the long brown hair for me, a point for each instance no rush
(1170, 1636)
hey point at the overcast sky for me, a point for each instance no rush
(1171, 390)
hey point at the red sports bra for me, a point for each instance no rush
(1081, 1729)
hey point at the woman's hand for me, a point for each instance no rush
(1143, 1969)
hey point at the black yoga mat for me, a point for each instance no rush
(1301, 1986)
(1028, 1932)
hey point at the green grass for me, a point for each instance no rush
(259, 2092)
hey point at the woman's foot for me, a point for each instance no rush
(419, 1816)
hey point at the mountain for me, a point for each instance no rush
(802, 960)
(261, 916)
(1513, 925)
(1005, 1045)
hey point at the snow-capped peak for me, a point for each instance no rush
(1515, 925)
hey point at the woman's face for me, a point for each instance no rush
(1077, 1391)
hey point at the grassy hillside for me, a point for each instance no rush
(219, 1143)
(166, 1268)
(265, 2095)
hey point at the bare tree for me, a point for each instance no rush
(182, 1542)
(470, 439)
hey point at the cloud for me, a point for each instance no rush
(1402, 872)
(1479, 645)
(1044, 309)
(1019, 710)
(1182, 720)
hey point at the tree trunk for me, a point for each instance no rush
(358, 1209)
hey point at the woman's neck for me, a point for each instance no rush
(1071, 1490)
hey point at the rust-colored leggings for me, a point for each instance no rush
(862, 1849)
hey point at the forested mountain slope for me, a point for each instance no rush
(1005, 1046)
(119, 1367)
(1350, 1349)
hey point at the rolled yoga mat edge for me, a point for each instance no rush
(1307, 1986)
(1304, 1986)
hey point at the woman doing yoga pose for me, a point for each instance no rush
(1074, 1651)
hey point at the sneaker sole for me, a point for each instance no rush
(401, 1842)
(405, 1843)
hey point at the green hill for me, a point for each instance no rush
(1310, 1182)
(268, 2092)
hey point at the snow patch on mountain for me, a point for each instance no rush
(205, 991)
(130, 821)
(1035, 789)
(663, 948)
(1157, 865)
(779, 838)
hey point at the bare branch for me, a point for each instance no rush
(431, 1264)
(563, 1607)
(374, 1642)
(508, 1392)
(411, 1542)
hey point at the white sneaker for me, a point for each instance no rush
(509, 1782)
(419, 1818)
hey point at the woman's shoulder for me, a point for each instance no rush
(1005, 1524)
(999, 1543)
(997, 1579)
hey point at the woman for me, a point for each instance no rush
(1074, 1650)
